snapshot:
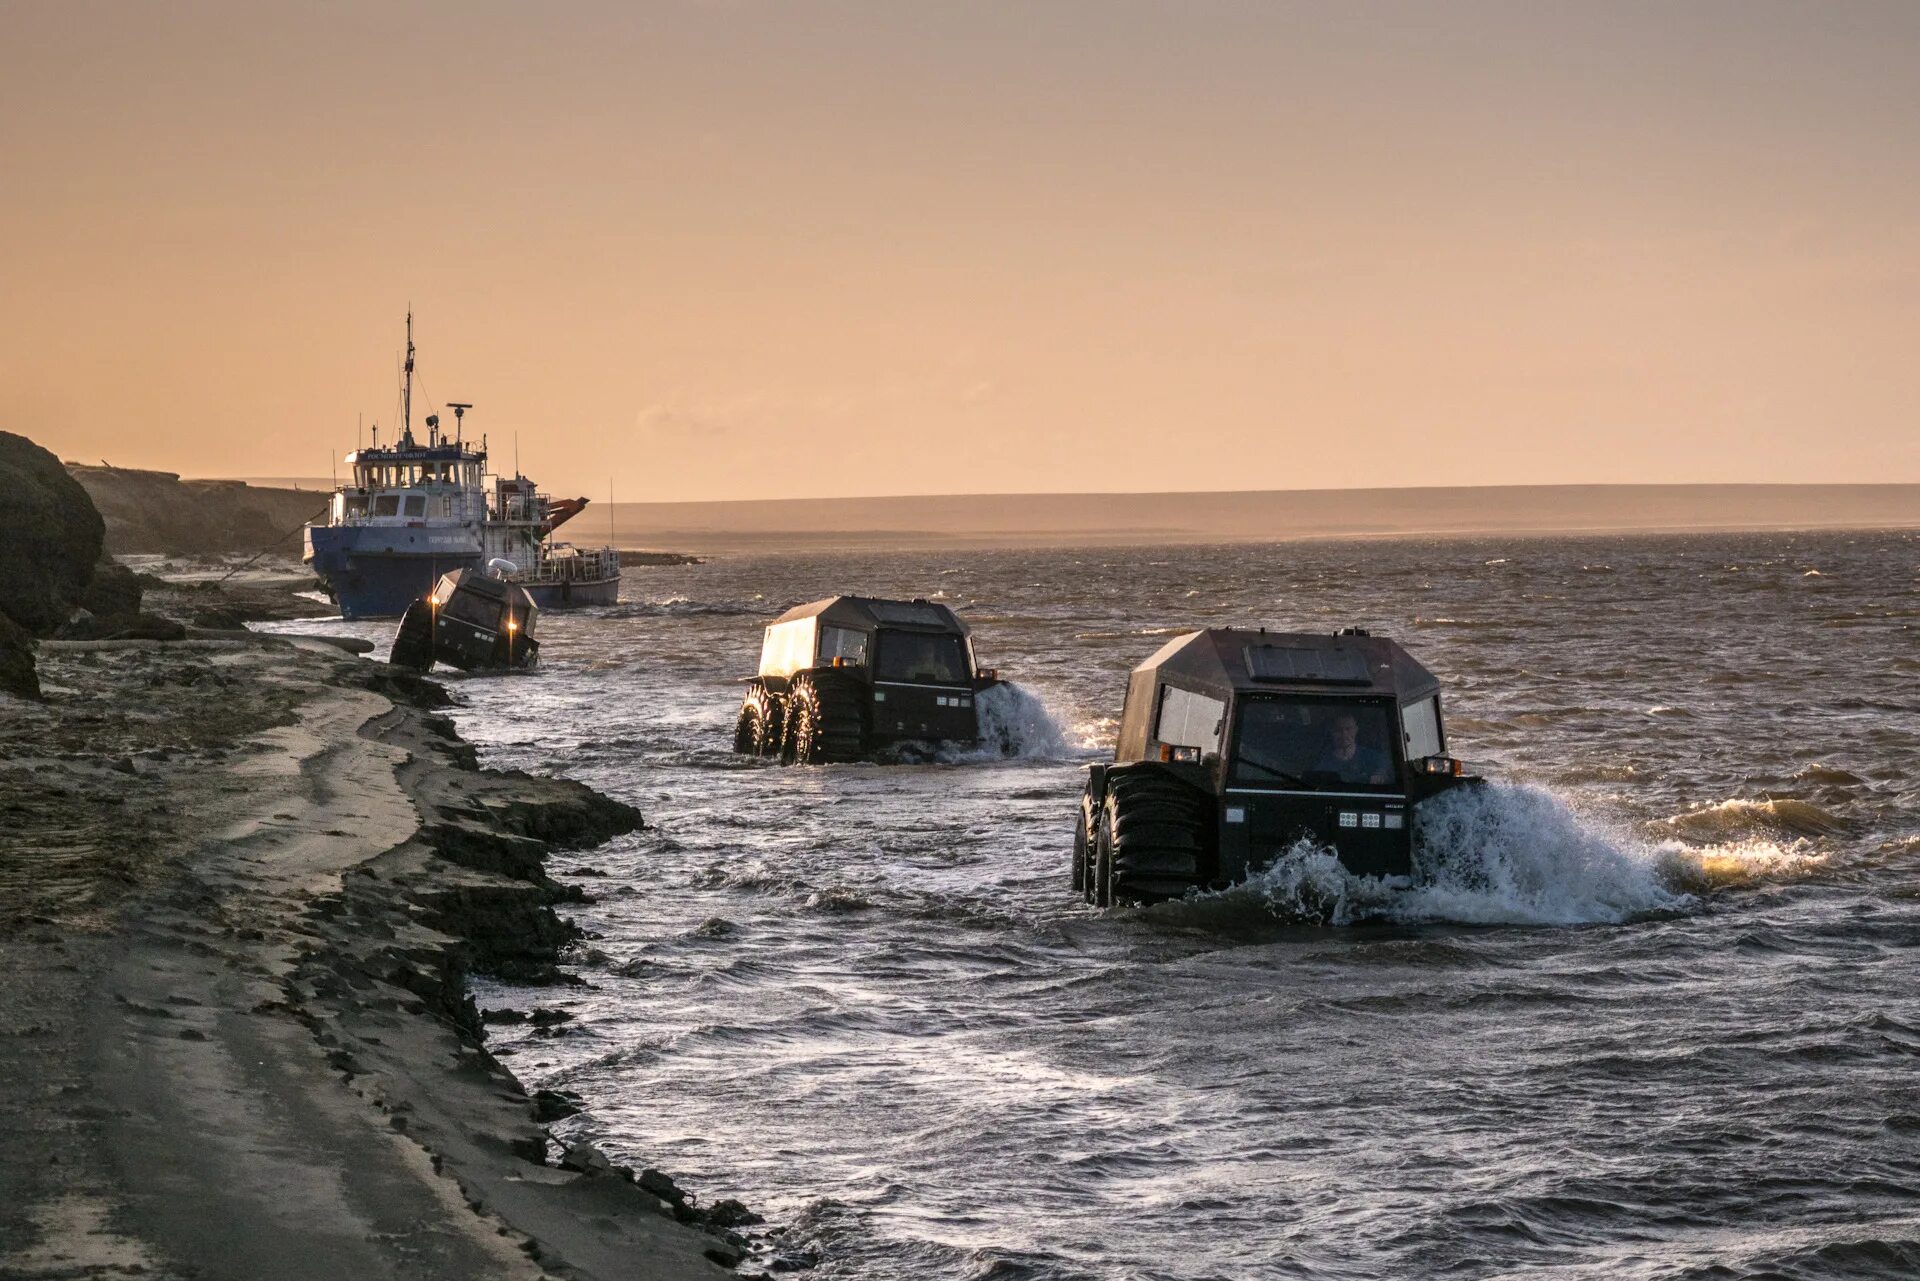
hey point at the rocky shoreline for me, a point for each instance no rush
(246, 880)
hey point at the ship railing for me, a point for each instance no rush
(578, 565)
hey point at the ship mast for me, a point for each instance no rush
(406, 394)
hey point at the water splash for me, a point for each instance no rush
(1015, 723)
(1517, 855)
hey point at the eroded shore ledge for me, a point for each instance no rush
(242, 883)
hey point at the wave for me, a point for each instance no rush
(1516, 855)
(682, 607)
(1737, 817)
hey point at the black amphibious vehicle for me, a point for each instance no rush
(1234, 745)
(469, 620)
(846, 675)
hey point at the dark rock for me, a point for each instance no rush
(726, 1254)
(586, 1159)
(547, 1018)
(220, 618)
(660, 1185)
(113, 593)
(554, 1105)
(50, 537)
(730, 1213)
(799, 1261)
(504, 1016)
(17, 676)
(406, 687)
(87, 625)
(150, 627)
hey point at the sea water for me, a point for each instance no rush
(1650, 1009)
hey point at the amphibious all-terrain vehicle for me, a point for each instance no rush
(842, 677)
(1234, 745)
(470, 620)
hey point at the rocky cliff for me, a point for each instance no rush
(50, 537)
(156, 511)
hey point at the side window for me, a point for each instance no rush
(1421, 721)
(788, 648)
(1190, 720)
(843, 642)
(386, 505)
(416, 505)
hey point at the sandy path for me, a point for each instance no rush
(177, 1098)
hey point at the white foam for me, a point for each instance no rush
(1500, 854)
(1014, 723)
(1518, 855)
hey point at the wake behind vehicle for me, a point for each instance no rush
(472, 621)
(845, 676)
(1236, 745)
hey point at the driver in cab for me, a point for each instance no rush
(1346, 759)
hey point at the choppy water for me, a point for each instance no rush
(1656, 1018)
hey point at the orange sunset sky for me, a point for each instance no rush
(743, 250)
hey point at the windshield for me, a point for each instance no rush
(922, 658)
(1315, 743)
(472, 607)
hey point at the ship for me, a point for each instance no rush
(412, 511)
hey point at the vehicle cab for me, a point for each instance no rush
(1275, 737)
(851, 673)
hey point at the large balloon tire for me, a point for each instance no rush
(413, 643)
(827, 720)
(1155, 843)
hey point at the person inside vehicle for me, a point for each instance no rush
(1346, 759)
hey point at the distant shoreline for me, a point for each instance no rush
(977, 521)
(960, 522)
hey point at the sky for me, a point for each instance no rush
(743, 249)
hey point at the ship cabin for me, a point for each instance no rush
(409, 483)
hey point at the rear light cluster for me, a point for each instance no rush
(1170, 752)
(1439, 765)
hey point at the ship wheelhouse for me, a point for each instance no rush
(408, 484)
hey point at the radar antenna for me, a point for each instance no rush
(459, 412)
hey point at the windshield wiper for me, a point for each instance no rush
(1277, 772)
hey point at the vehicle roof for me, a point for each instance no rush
(1254, 661)
(481, 584)
(868, 612)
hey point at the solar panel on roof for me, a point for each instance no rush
(914, 614)
(1328, 666)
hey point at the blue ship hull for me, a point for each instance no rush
(373, 573)
(377, 571)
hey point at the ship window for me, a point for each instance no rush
(386, 505)
(1421, 721)
(416, 505)
(1190, 720)
(843, 642)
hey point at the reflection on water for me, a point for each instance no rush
(1648, 1011)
